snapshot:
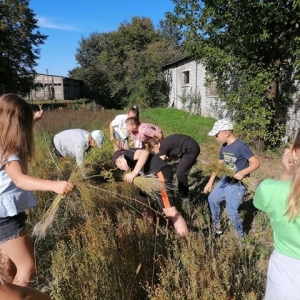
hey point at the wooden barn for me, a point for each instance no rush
(188, 91)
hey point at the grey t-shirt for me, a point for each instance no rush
(73, 143)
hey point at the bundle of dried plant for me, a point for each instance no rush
(46, 222)
(221, 170)
(150, 184)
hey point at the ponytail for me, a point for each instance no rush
(135, 110)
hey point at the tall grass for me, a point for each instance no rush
(107, 250)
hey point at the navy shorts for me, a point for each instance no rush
(10, 227)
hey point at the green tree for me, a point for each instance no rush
(170, 33)
(95, 81)
(19, 41)
(125, 66)
(251, 49)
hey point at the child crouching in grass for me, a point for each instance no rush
(140, 161)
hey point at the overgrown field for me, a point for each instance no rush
(99, 246)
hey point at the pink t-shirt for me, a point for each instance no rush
(145, 133)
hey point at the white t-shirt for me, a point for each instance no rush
(73, 143)
(118, 123)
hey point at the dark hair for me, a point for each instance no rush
(134, 109)
(133, 120)
(117, 154)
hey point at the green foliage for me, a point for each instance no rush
(19, 41)
(172, 120)
(191, 101)
(251, 48)
(260, 126)
(125, 66)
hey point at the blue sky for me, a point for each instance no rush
(66, 21)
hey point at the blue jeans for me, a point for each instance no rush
(232, 193)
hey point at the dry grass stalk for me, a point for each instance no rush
(46, 222)
(222, 170)
(149, 184)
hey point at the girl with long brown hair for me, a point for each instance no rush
(280, 199)
(16, 150)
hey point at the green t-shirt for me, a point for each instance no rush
(270, 197)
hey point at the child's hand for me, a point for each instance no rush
(239, 175)
(207, 188)
(38, 115)
(62, 187)
(129, 177)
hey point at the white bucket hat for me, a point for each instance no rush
(98, 136)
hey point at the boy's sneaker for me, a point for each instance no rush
(217, 229)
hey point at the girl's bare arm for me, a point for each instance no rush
(29, 183)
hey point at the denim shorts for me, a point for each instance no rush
(10, 227)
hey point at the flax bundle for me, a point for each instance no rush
(222, 170)
(150, 184)
(46, 222)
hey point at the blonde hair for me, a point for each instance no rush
(16, 129)
(3, 276)
(293, 200)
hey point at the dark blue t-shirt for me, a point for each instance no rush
(236, 155)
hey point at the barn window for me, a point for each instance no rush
(186, 77)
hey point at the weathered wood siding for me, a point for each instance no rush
(209, 107)
(175, 74)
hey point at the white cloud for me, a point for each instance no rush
(43, 22)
